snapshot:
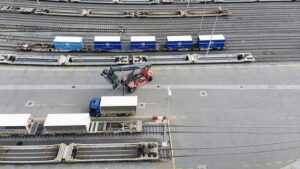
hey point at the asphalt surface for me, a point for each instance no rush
(235, 116)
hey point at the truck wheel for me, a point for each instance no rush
(150, 78)
(131, 90)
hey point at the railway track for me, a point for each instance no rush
(146, 22)
(74, 153)
(148, 130)
(237, 27)
(162, 29)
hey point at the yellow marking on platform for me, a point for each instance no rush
(171, 144)
(278, 162)
(292, 65)
(183, 117)
(49, 69)
(83, 69)
(182, 68)
(173, 117)
(291, 118)
(282, 118)
(289, 161)
(269, 164)
(40, 119)
(257, 165)
(19, 69)
(66, 70)
(246, 166)
(34, 69)
(4, 68)
(190, 168)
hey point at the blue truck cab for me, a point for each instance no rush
(95, 107)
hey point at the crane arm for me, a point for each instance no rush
(112, 78)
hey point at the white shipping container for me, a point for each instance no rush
(67, 123)
(68, 39)
(118, 105)
(142, 39)
(16, 123)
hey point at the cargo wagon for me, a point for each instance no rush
(68, 43)
(107, 42)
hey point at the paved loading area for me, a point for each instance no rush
(221, 116)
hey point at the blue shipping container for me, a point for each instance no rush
(107, 42)
(217, 41)
(179, 42)
(143, 42)
(68, 43)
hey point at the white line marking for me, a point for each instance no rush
(7, 108)
(169, 91)
(39, 105)
(66, 104)
(199, 87)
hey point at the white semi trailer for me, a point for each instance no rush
(113, 105)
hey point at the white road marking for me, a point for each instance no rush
(52, 87)
(39, 105)
(199, 87)
(7, 107)
(169, 91)
(66, 104)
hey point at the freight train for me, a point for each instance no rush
(137, 43)
(79, 123)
